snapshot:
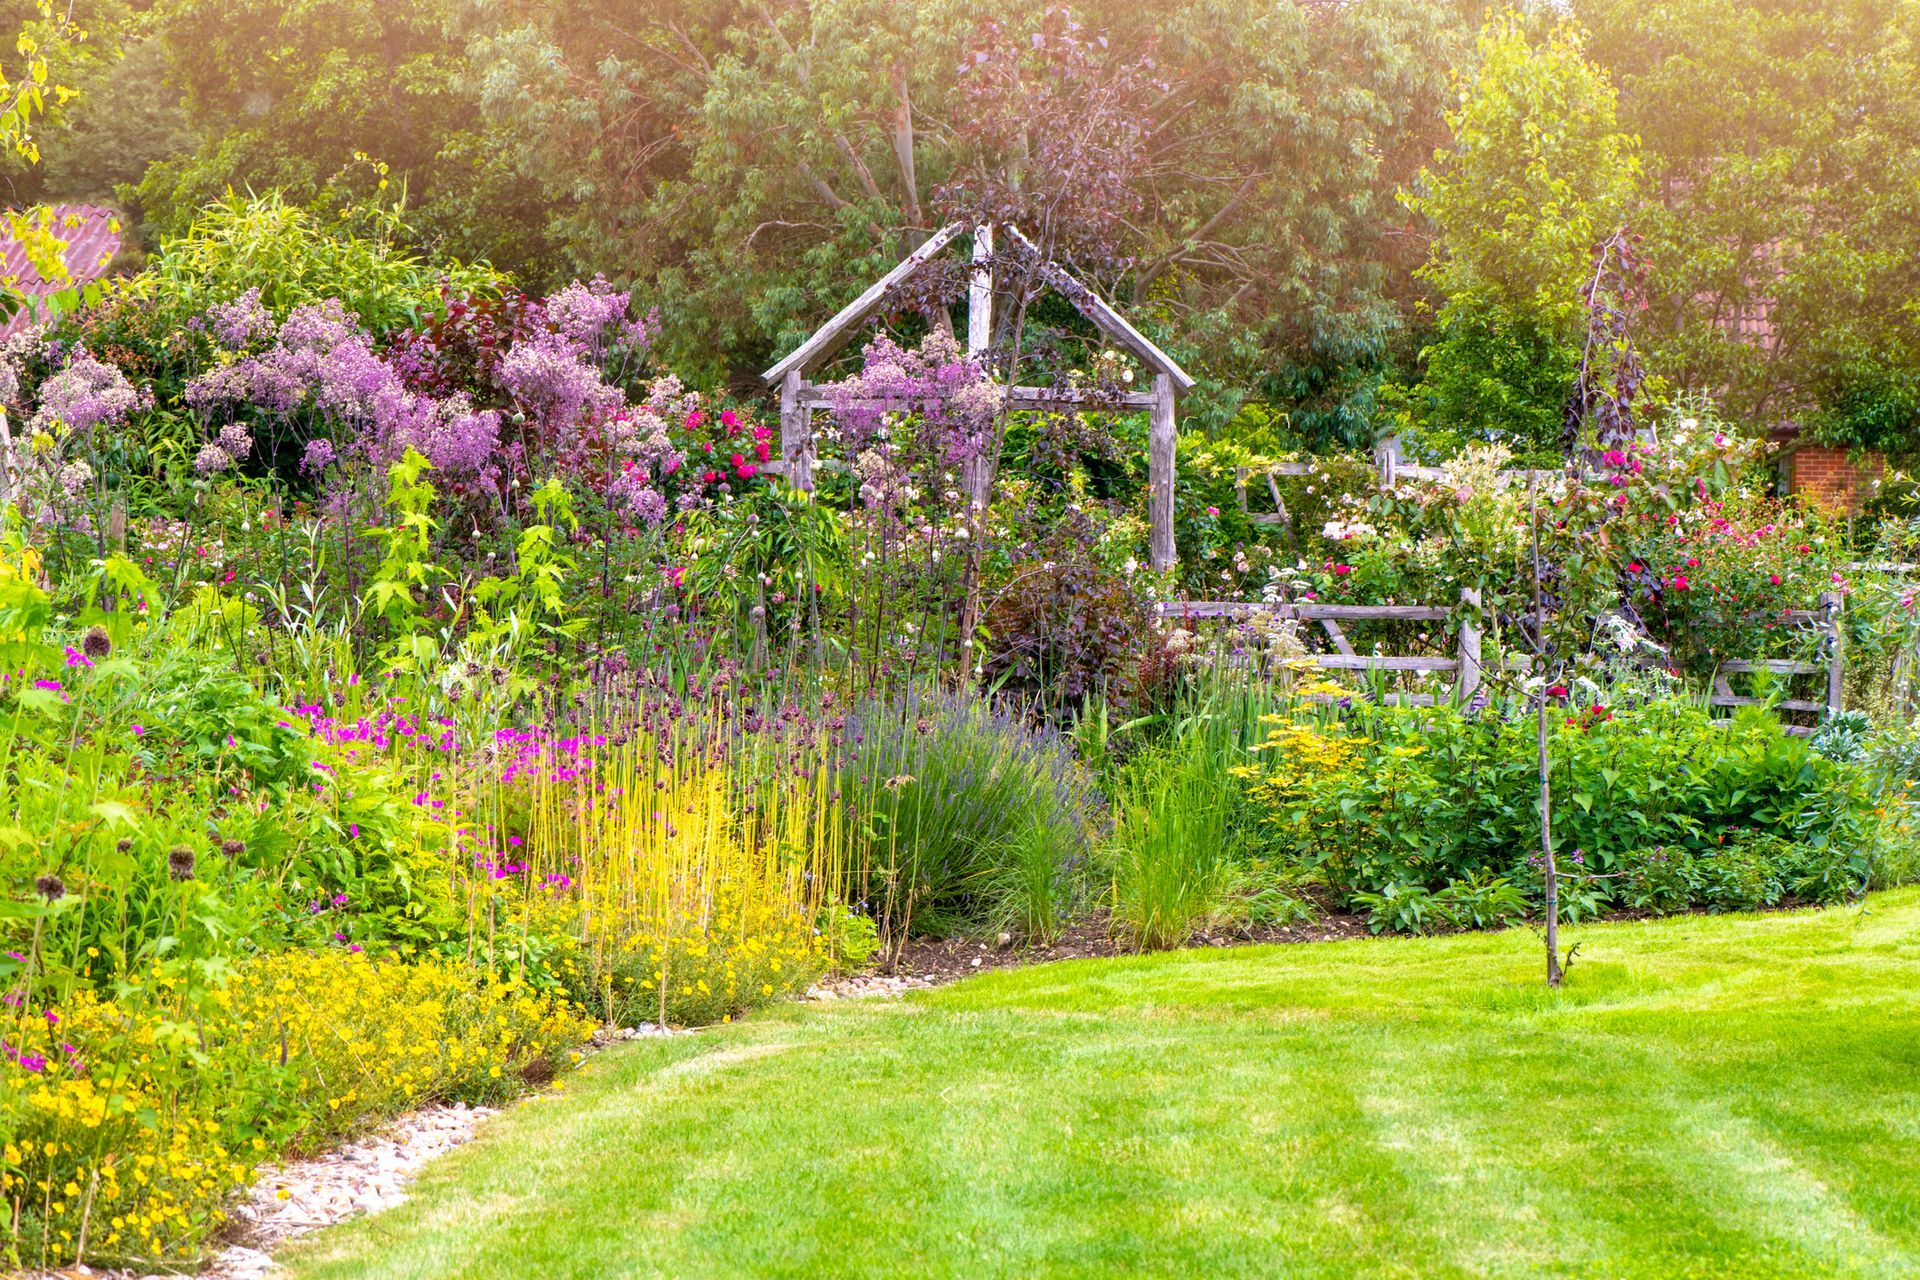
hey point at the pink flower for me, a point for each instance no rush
(1213, 511)
(1679, 582)
(1342, 570)
(1774, 578)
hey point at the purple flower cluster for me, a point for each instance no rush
(455, 437)
(317, 456)
(317, 381)
(555, 386)
(240, 323)
(322, 363)
(592, 318)
(85, 394)
(950, 394)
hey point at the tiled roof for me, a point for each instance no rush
(93, 236)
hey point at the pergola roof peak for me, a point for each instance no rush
(837, 332)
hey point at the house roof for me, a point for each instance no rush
(93, 235)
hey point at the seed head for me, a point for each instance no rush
(180, 862)
(96, 644)
(233, 848)
(51, 887)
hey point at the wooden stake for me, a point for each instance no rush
(1837, 659)
(1469, 680)
(1548, 869)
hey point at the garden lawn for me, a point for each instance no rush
(1730, 1096)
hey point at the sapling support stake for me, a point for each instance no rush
(1548, 869)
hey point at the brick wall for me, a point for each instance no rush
(1833, 478)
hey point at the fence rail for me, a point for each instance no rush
(1466, 662)
(1825, 619)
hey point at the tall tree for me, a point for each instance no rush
(1782, 210)
(1538, 171)
(326, 99)
(762, 160)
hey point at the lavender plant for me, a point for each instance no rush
(965, 815)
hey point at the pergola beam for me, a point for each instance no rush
(1107, 320)
(814, 396)
(837, 332)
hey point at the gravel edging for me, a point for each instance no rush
(366, 1176)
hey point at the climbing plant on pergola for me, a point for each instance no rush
(800, 397)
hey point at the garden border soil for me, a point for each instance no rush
(937, 961)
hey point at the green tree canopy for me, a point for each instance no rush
(1538, 172)
(1782, 149)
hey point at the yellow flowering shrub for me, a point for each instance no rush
(745, 956)
(126, 1130)
(1292, 781)
(743, 950)
(103, 1156)
(366, 1038)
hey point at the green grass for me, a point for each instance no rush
(1735, 1096)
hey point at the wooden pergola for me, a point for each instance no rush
(800, 397)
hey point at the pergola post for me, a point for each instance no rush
(1161, 435)
(977, 472)
(980, 293)
(796, 433)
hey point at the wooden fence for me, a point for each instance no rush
(1465, 664)
(1387, 461)
(1825, 619)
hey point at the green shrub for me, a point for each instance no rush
(293, 257)
(1417, 814)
